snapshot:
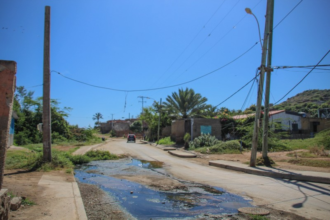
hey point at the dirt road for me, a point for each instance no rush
(310, 200)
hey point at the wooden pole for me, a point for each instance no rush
(267, 92)
(46, 115)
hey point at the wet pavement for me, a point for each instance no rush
(146, 203)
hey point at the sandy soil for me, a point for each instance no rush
(100, 206)
(25, 184)
(280, 159)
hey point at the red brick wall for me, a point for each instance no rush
(7, 88)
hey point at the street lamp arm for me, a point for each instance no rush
(251, 13)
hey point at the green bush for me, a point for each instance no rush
(112, 133)
(205, 140)
(21, 138)
(324, 139)
(80, 159)
(228, 147)
(165, 141)
(100, 155)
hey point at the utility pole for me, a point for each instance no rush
(269, 70)
(46, 113)
(159, 112)
(142, 97)
(260, 89)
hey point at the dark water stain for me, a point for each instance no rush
(145, 203)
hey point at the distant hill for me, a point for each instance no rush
(308, 101)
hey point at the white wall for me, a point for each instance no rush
(286, 120)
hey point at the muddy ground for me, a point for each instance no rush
(99, 205)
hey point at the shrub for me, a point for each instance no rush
(165, 141)
(205, 140)
(265, 161)
(100, 155)
(324, 139)
(228, 147)
(186, 139)
(21, 138)
(80, 159)
(112, 133)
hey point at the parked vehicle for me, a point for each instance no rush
(131, 137)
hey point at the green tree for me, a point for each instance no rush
(136, 126)
(185, 103)
(97, 117)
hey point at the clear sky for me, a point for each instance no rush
(145, 44)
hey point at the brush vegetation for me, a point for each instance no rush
(31, 158)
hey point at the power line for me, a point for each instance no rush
(238, 90)
(202, 41)
(159, 88)
(218, 41)
(184, 50)
(249, 92)
(287, 14)
(307, 66)
(303, 77)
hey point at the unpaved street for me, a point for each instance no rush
(311, 200)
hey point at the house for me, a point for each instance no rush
(121, 127)
(295, 122)
(195, 127)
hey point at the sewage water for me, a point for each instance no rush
(145, 203)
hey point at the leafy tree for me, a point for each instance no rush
(136, 126)
(185, 103)
(97, 117)
(210, 112)
(150, 115)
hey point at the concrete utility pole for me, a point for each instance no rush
(269, 70)
(159, 112)
(7, 90)
(260, 89)
(46, 114)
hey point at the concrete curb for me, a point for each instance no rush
(249, 170)
(80, 208)
(182, 154)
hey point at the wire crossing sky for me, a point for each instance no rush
(130, 45)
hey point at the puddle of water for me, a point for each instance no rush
(146, 164)
(145, 203)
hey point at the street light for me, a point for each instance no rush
(264, 46)
(248, 10)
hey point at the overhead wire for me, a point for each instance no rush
(238, 90)
(249, 92)
(159, 88)
(202, 42)
(303, 77)
(184, 50)
(217, 41)
(287, 14)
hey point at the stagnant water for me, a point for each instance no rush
(145, 203)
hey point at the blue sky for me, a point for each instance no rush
(133, 45)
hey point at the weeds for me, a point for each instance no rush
(28, 202)
(165, 141)
(310, 162)
(228, 147)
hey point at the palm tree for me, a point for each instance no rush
(97, 117)
(185, 104)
